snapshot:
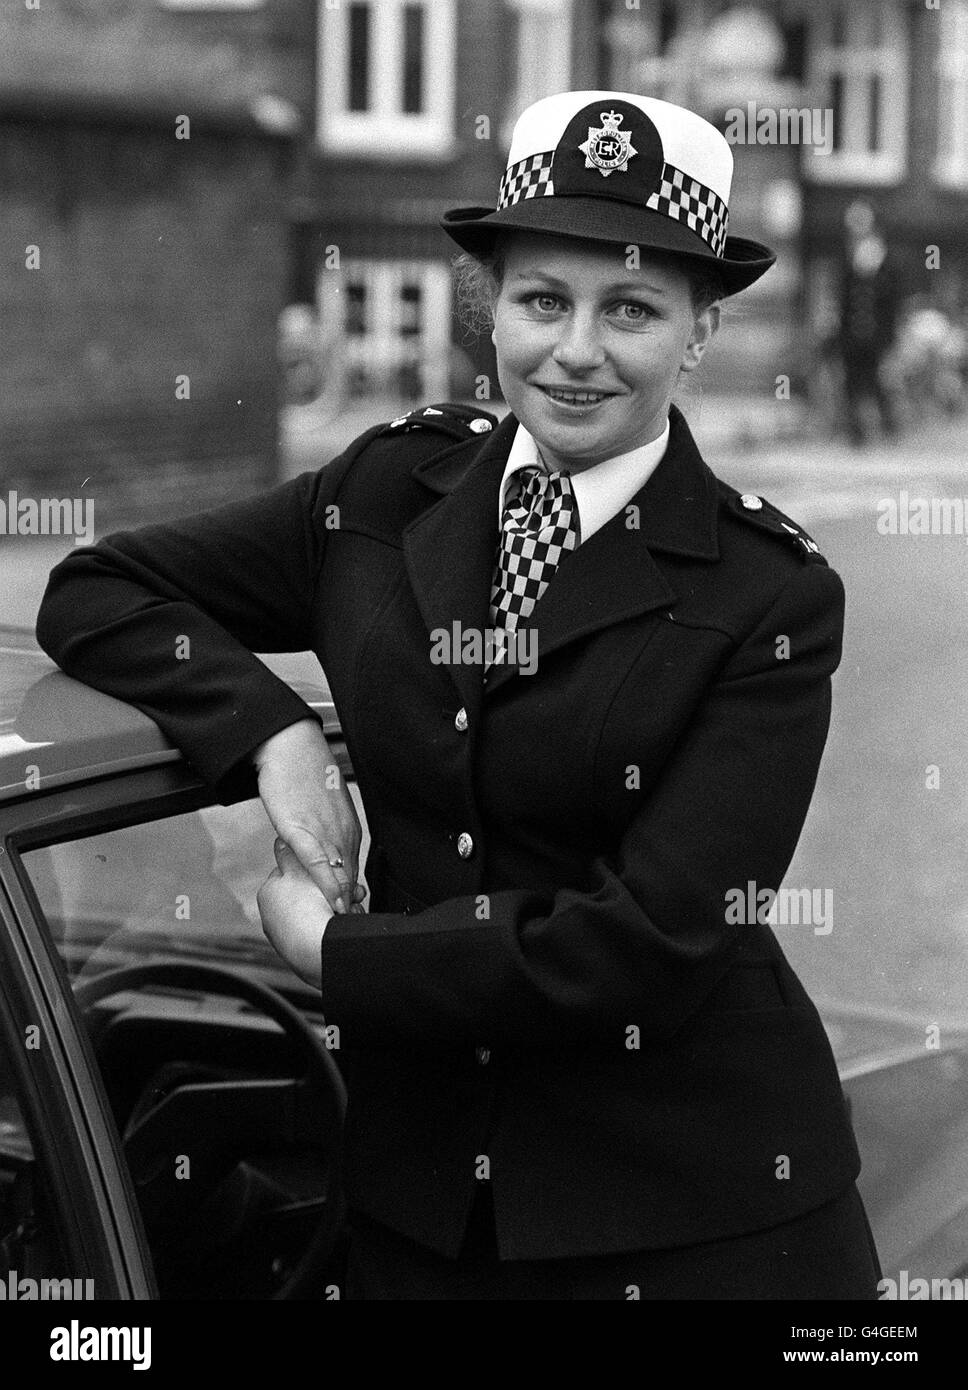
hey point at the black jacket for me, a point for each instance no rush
(560, 1006)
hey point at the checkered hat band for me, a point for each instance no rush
(529, 178)
(687, 200)
(678, 196)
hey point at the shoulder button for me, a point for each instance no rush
(765, 517)
(453, 420)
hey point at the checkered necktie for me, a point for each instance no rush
(539, 524)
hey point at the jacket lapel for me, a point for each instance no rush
(611, 577)
(450, 549)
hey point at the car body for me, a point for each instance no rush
(165, 1129)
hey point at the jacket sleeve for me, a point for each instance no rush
(651, 937)
(168, 617)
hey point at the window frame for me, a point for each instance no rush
(242, 6)
(384, 278)
(856, 63)
(543, 54)
(62, 1090)
(950, 168)
(385, 131)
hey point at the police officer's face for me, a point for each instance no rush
(589, 351)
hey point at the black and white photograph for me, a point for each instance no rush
(483, 664)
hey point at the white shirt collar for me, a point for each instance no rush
(601, 491)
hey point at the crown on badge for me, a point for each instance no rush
(607, 148)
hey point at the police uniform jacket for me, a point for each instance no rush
(549, 993)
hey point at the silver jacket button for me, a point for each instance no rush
(483, 1055)
(751, 502)
(465, 845)
(480, 425)
(460, 723)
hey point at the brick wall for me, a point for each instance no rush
(158, 257)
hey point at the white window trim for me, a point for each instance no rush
(890, 61)
(380, 343)
(386, 131)
(951, 156)
(544, 57)
(211, 4)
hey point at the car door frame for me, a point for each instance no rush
(68, 1110)
(90, 1184)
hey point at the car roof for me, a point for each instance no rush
(70, 732)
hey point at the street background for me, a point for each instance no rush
(232, 267)
(222, 263)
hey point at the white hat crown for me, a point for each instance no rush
(689, 141)
(619, 169)
(662, 157)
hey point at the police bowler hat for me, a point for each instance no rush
(618, 168)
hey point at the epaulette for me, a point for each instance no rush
(454, 421)
(766, 517)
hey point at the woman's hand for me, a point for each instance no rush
(310, 807)
(294, 914)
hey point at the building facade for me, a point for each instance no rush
(144, 156)
(414, 104)
(328, 136)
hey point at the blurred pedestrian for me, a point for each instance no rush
(931, 360)
(868, 316)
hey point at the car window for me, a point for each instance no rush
(185, 885)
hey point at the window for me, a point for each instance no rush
(211, 4)
(386, 78)
(543, 64)
(393, 318)
(951, 164)
(186, 884)
(859, 71)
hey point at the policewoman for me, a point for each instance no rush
(574, 1072)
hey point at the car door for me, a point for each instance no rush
(68, 1224)
(133, 873)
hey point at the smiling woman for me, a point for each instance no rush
(573, 1069)
(589, 353)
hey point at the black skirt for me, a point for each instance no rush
(827, 1253)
